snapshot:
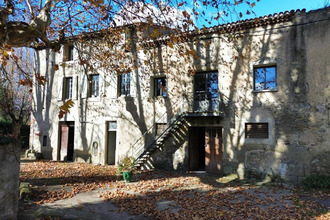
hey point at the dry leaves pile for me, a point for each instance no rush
(187, 196)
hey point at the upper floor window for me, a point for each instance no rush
(256, 130)
(160, 86)
(125, 82)
(68, 87)
(68, 53)
(264, 78)
(94, 85)
(206, 86)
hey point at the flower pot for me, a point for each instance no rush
(127, 176)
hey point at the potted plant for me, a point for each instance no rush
(126, 166)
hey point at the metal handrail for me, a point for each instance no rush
(188, 102)
(152, 127)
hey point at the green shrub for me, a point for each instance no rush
(4, 140)
(316, 182)
(6, 130)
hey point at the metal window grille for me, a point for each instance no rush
(256, 130)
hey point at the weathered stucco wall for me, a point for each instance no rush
(296, 112)
(9, 181)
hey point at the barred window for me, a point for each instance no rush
(256, 130)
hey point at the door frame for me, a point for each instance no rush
(107, 130)
(191, 148)
(70, 125)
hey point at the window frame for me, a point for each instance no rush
(91, 85)
(253, 133)
(205, 93)
(125, 84)
(266, 66)
(68, 88)
(70, 53)
(158, 91)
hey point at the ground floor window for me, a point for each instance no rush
(256, 130)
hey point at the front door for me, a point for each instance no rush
(205, 149)
(67, 141)
(196, 149)
(213, 150)
(111, 143)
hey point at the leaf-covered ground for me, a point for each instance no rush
(164, 195)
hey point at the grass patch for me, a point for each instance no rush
(316, 182)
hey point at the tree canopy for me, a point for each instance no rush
(26, 22)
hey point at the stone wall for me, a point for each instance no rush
(9, 181)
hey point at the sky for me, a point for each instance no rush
(266, 7)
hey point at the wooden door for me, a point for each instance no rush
(194, 149)
(66, 148)
(64, 142)
(111, 148)
(213, 150)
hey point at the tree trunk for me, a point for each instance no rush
(16, 125)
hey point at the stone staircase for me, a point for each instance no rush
(144, 160)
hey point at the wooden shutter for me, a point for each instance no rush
(101, 84)
(84, 83)
(75, 53)
(60, 88)
(256, 130)
(74, 87)
(61, 55)
(133, 84)
(113, 83)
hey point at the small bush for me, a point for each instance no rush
(316, 182)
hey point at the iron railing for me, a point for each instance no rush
(186, 104)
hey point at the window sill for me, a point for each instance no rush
(94, 99)
(261, 91)
(68, 63)
(160, 97)
(125, 97)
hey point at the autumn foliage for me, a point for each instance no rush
(189, 196)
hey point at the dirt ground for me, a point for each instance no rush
(84, 191)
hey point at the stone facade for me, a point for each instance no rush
(294, 111)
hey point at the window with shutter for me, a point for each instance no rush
(94, 85)
(125, 84)
(256, 130)
(68, 87)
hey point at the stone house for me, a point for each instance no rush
(257, 101)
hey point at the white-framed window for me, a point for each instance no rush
(94, 85)
(125, 84)
(68, 86)
(265, 78)
(160, 87)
